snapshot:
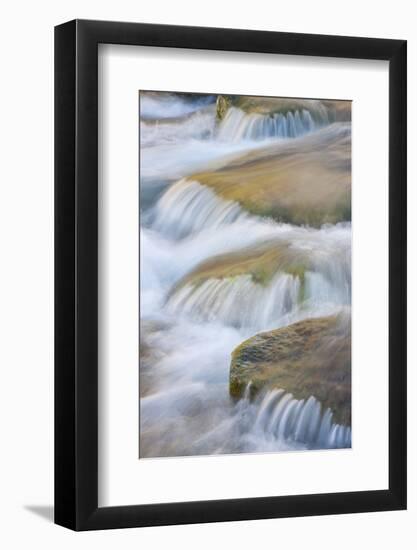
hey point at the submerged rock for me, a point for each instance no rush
(261, 262)
(266, 284)
(252, 287)
(304, 181)
(308, 358)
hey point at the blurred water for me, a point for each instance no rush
(190, 332)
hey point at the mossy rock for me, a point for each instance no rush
(306, 181)
(222, 105)
(261, 262)
(308, 358)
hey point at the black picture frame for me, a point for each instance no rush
(76, 274)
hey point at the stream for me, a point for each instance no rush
(187, 333)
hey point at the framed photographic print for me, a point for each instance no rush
(230, 337)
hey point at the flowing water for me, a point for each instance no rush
(189, 331)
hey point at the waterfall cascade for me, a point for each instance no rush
(238, 125)
(196, 321)
(281, 417)
(188, 207)
(240, 302)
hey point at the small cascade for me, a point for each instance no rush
(326, 286)
(279, 416)
(242, 303)
(188, 207)
(238, 301)
(238, 125)
(210, 277)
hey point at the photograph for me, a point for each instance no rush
(245, 274)
(209, 266)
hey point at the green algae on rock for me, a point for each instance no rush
(261, 261)
(308, 358)
(303, 181)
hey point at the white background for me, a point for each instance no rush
(123, 479)
(26, 301)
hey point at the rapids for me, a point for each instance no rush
(238, 125)
(187, 333)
